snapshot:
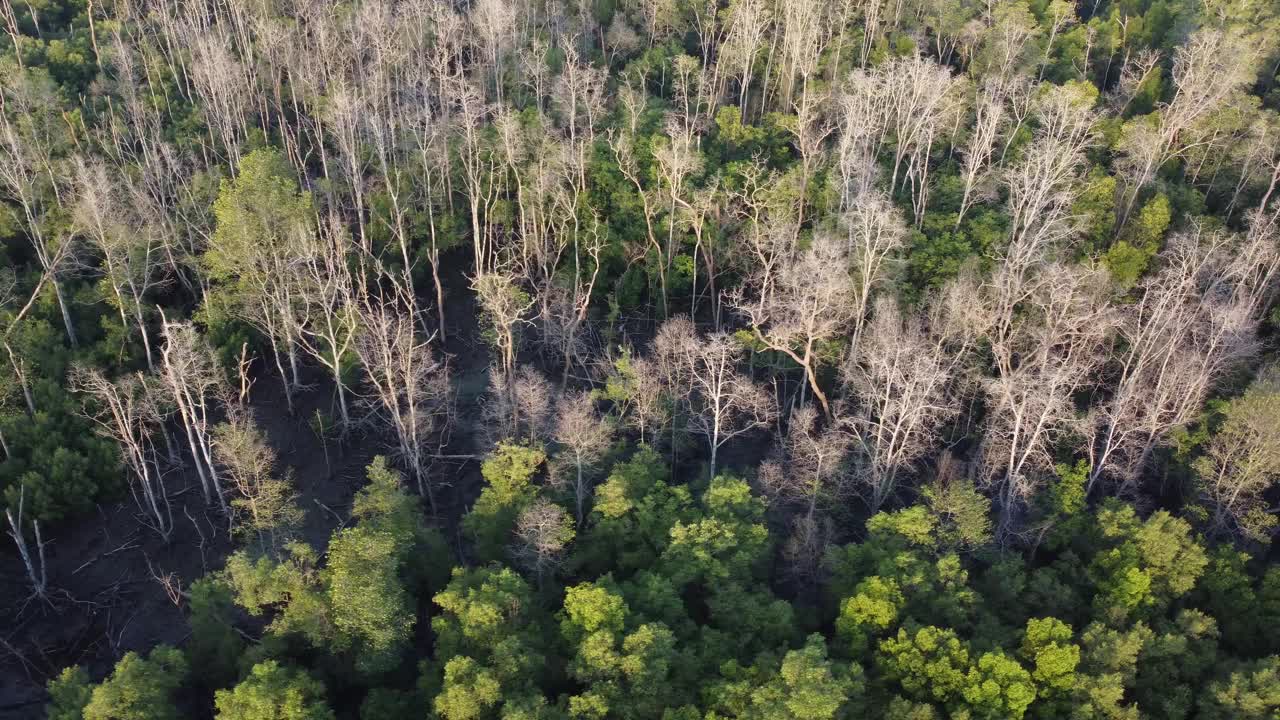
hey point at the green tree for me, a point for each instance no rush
(214, 646)
(808, 686)
(1047, 645)
(1251, 692)
(1145, 565)
(140, 689)
(726, 544)
(931, 664)
(998, 687)
(69, 693)
(508, 474)
(274, 692)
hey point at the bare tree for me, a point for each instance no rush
(583, 437)
(543, 531)
(874, 232)
(900, 381)
(805, 466)
(1040, 362)
(1194, 321)
(330, 317)
(504, 306)
(29, 132)
(411, 387)
(130, 252)
(37, 569)
(978, 151)
(1044, 184)
(810, 301)
(1211, 66)
(640, 396)
(126, 412)
(190, 373)
(749, 22)
(519, 407)
(721, 402)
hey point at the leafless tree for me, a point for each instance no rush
(411, 387)
(1211, 66)
(29, 132)
(543, 531)
(900, 381)
(190, 374)
(805, 469)
(37, 569)
(978, 151)
(330, 317)
(749, 22)
(504, 306)
(1194, 321)
(130, 252)
(520, 407)
(874, 232)
(809, 302)
(584, 437)
(721, 402)
(126, 412)
(1043, 185)
(1040, 361)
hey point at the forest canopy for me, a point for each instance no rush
(652, 359)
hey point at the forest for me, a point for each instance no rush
(639, 359)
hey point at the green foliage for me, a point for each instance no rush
(508, 474)
(808, 686)
(274, 692)
(1146, 564)
(56, 463)
(1129, 257)
(1251, 692)
(69, 693)
(140, 689)
(930, 664)
(722, 546)
(214, 647)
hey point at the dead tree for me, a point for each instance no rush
(411, 389)
(193, 379)
(1194, 322)
(519, 408)
(721, 402)
(805, 467)
(327, 297)
(810, 300)
(504, 305)
(1040, 360)
(1212, 65)
(1241, 462)
(543, 531)
(130, 253)
(126, 412)
(583, 437)
(874, 233)
(37, 569)
(900, 384)
(29, 129)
